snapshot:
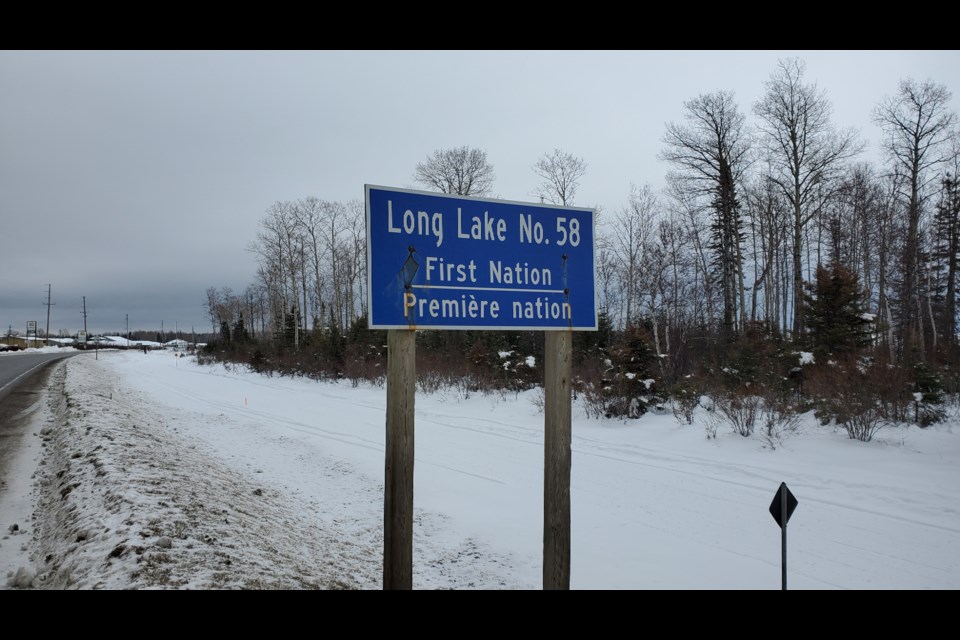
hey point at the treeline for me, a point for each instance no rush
(190, 336)
(773, 238)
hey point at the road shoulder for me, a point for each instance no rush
(24, 412)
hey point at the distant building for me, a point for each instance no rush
(14, 342)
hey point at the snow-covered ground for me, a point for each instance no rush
(155, 472)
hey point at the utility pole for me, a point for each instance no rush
(49, 304)
(84, 315)
(128, 331)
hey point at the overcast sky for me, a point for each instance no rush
(137, 179)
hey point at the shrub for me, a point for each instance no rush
(858, 395)
(753, 409)
(739, 409)
(685, 397)
(258, 361)
(779, 419)
(863, 423)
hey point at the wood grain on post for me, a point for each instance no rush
(398, 477)
(556, 465)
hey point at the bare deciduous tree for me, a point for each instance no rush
(805, 151)
(693, 214)
(917, 122)
(710, 153)
(213, 307)
(766, 212)
(356, 249)
(310, 215)
(462, 171)
(312, 258)
(280, 245)
(632, 228)
(561, 173)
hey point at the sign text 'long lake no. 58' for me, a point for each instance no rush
(453, 262)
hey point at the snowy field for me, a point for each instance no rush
(149, 471)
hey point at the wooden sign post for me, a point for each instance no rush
(556, 459)
(441, 261)
(398, 477)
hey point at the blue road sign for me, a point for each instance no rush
(452, 262)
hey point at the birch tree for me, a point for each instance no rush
(806, 154)
(917, 124)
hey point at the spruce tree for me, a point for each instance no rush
(290, 327)
(335, 345)
(589, 344)
(240, 335)
(946, 254)
(835, 312)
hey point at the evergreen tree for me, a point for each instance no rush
(835, 312)
(726, 245)
(364, 343)
(290, 327)
(225, 331)
(334, 344)
(240, 335)
(632, 360)
(359, 333)
(589, 344)
(946, 252)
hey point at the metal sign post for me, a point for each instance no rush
(782, 507)
(451, 262)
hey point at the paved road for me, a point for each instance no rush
(17, 367)
(22, 377)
